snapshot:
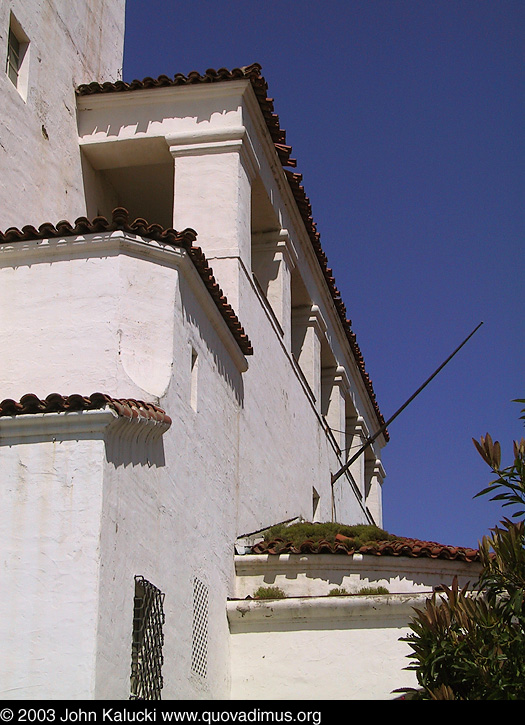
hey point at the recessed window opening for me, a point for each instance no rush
(137, 174)
(265, 229)
(333, 402)
(194, 378)
(147, 642)
(315, 504)
(17, 56)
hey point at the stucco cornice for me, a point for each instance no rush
(66, 416)
(59, 425)
(214, 141)
(100, 95)
(303, 612)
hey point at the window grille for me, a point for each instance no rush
(199, 643)
(148, 639)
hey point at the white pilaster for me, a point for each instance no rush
(336, 409)
(273, 259)
(356, 435)
(375, 475)
(308, 331)
(212, 194)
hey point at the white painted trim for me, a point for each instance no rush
(204, 136)
(161, 95)
(85, 422)
(71, 247)
(201, 142)
(77, 423)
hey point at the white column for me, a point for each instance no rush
(356, 435)
(375, 476)
(212, 195)
(336, 409)
(273, 259)
(308, 331)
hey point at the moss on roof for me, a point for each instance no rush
(361, 534)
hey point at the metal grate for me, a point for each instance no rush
(148, 639)
(199, 642)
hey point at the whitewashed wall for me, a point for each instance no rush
(328, 648)
(51, 502)
(40, 164)
(222, 152)
(315, 575)
(171, 517)
(312, 645)
(120, 315)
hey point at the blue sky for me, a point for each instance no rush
(406, 119)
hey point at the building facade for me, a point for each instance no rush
(163, 392)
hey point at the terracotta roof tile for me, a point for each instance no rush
(252, 73)
(400, 546)
(120, 221)
(31, 404)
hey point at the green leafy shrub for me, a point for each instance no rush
(269, 593)
(471, 645)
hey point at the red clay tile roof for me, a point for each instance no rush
(120, 222)
(400, 546)
(252, 73)
(31, 404)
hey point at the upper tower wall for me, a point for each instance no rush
(48, 47)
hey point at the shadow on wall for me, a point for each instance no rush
(222, 359)
(133, 448)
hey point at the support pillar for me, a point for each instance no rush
(308, 332)
(335, 415)
(356, 435)
(273, 259)
(375, 475)
(212, 195)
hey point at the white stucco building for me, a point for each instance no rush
(163, 392)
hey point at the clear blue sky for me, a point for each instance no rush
(406, 118)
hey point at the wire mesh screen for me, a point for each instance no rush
(199, 648)
(148, 638)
